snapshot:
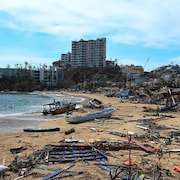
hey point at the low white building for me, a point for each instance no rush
(50, 77)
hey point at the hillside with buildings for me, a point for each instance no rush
(85, 66)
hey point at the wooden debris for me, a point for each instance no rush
(69, 131)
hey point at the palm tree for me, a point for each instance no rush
(25, 64)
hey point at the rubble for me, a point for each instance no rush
(160, 87)
(124, 145)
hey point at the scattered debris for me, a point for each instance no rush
(57, 172)
(72, 140)
(175, 133)
(17, 150)
(95, 103)
(124, 145)
(69, 131)
(177, 169)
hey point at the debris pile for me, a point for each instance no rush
(160, 86)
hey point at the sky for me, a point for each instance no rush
(38, 31)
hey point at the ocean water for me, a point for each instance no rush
(18, 111)
(12, 104)
(21, 105)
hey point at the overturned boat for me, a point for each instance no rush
(105, 113)
(58, 107)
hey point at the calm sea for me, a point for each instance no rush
(18, 111)
(21, 104)
(11, 104)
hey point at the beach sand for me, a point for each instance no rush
(124, 119)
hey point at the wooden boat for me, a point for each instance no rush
(105, 113)
(58, 108)
(61, 110)
(41, 130)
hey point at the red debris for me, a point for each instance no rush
(129, 163)
(177, 169)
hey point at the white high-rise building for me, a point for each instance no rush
(90, 53)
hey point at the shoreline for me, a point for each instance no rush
(16, 122)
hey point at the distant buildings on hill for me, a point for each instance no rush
(91, 54)
(132, 69)
(84, 54)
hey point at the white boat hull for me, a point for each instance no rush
(105, 113)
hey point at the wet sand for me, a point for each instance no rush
(124, 119)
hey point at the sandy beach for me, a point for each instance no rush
(124, 119)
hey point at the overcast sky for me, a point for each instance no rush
(38, 31)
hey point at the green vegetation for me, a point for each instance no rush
(22, 81)
(92, 78)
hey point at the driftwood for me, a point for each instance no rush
(17, 150)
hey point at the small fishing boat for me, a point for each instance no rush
(105, 113)
(58, 107)
(41, 130)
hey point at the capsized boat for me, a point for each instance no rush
(105, 113)
(41, 130)
(58, 107)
